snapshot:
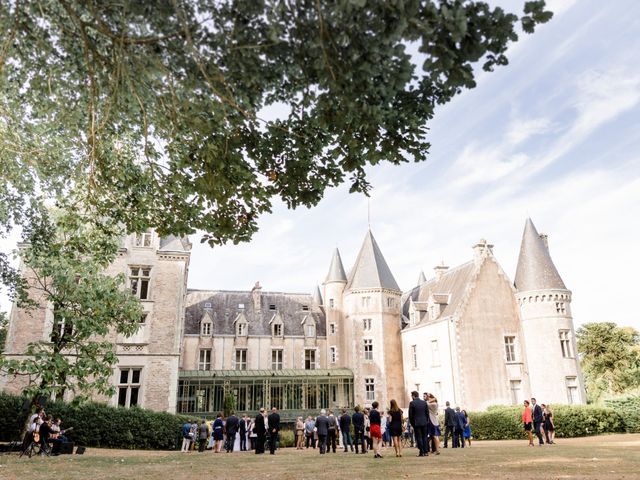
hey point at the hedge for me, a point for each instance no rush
(500, 423)
(98, 425)
(629, 409)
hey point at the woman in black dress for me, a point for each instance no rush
(395, 427)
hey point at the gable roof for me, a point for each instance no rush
(535, 270)
(371, 269)
(451, 287)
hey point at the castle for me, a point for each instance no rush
(470, 335)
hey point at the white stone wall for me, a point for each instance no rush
(548, 369)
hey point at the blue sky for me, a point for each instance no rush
(555, 135)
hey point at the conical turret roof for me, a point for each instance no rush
(317, 296)
(536, 270)
(421, 278)
(336, 270)
(371, 269)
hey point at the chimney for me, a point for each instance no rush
(439, 270)
(481, 250)
(545, 239)
(256, 293)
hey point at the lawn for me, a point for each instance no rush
(603, 457)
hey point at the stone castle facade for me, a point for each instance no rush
(469, 335)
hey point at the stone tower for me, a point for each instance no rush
(334, 313)
(545, 310)
(372, 328)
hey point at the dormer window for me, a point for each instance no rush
(276, 330)
(143, 239)
(241, 306)
(205, 328)
(309, 330)
(272, 307)
(207, 305)
(305, 308)
(241, 329)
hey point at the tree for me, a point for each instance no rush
(4, 321)
(159, 106)
(65, 262)
(610, 358)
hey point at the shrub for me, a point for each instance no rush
(98, 425)
(499, 423)
(629, 409)
(287, 438)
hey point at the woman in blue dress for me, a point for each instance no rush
(218, 433)
(467, 429)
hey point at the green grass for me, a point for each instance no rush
(608, 456)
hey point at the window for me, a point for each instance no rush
(241, 329)
(143, 239)
(565, 343)
(435, 353)
(510, 348)
(60, 328)
(391, 302)
(437, 389)
(332, 328)
(204, 362)
(515, 387)
(309, 359)
(276, 359)
(333, 355)
(272, 307)
(572, 390)
(129, 387)
(207, 305)
(412, 318)
(414, 356)
(366, 324)
(560, 307)
(276, 330)
(241, 306)
(368, 349)
(369, 389)
(366, 301)
(305, 308)
(331, 303)
(241, 359)
(205, 328)
(139, 282)
(143, 318)
(309, 330)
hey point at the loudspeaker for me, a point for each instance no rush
(80, 450)
(66, 448)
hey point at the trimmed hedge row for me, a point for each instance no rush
(98, 425)
(500, 423)
(629, 408)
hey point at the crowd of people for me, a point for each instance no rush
(539, 419)
(364, 430)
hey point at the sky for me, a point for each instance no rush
(554, 136)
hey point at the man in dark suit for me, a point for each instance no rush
(322, 426)
(243, 433)
(418, 418)
(458, 429)
(538, 419)
(449, 424)
(260, 431)
(274, 428)
(358, 428)
(345, 428)
(232, 426)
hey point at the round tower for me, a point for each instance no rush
(545, 311)
(333, 306)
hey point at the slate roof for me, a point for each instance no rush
(371, 269)
(450, 287)
(174, 243)
(535, 270)
(336, 270)
(224, 309)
